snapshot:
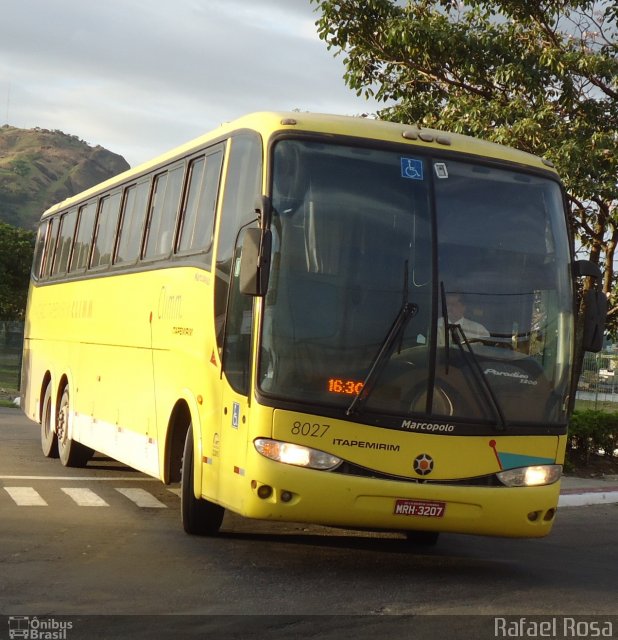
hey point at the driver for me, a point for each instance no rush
(456, 314)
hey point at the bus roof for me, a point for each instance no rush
(266, 123)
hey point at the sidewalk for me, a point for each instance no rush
(579, 492)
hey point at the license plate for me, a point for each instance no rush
(423, 508)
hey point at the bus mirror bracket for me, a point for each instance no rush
(263, 210)
(595, 307)
(255, 261)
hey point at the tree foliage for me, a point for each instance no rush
(539, 76)
(16, 250)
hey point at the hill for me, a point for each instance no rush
(39, 167)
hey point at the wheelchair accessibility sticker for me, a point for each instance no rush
(235, 415)
(412, 168)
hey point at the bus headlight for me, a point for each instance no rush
(531, 476)
(296, 454)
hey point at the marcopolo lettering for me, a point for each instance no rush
(433, 427)
(363, 444)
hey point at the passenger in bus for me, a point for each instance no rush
(456, 309)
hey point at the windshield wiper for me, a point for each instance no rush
(446, 326)
(460, 338)
(408, 310)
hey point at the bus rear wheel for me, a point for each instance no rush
(49, 440)
(72, 453)
(199, 517)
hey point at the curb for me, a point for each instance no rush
(586, 497)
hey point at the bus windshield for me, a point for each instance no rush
(480, 251)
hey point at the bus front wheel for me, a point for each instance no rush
(49, 440)
(72, 453)
(199, 517)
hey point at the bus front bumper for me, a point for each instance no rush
(283, 492)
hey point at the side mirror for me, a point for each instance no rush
(255, 261)
(595, 312)
(583, 268)
(595, 307)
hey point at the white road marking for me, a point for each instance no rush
(80, 479)
(25, 497)
(142, 498)
(85, 497)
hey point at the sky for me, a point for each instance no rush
(140, 77)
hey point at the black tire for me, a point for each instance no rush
(423, 538)
(49, 440)
(72, 453)
(199, 517)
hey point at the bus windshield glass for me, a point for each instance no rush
(480, 251)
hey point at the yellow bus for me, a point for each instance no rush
(314, 318)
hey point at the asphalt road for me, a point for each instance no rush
(106, 540)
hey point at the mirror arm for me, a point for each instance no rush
(263, 211)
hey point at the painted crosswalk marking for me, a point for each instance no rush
(85, 497)
(25, 497)
(142, 498)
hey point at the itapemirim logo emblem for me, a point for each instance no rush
(35, 628)
(423, 464)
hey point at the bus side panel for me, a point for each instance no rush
(185, 361)
(234, 441)
(114, 390)
(99, 339)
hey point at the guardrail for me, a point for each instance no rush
(598, 383)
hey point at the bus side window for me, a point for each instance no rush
(50, 248)
(105, 232)
(163, 209)
(243, 184)
(37, 263)
(197, 219)
(83, 238)
(65, 242)
(132, 222)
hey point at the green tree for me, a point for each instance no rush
(539, 76)
(16, 249)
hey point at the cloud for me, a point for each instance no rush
(142, 76)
